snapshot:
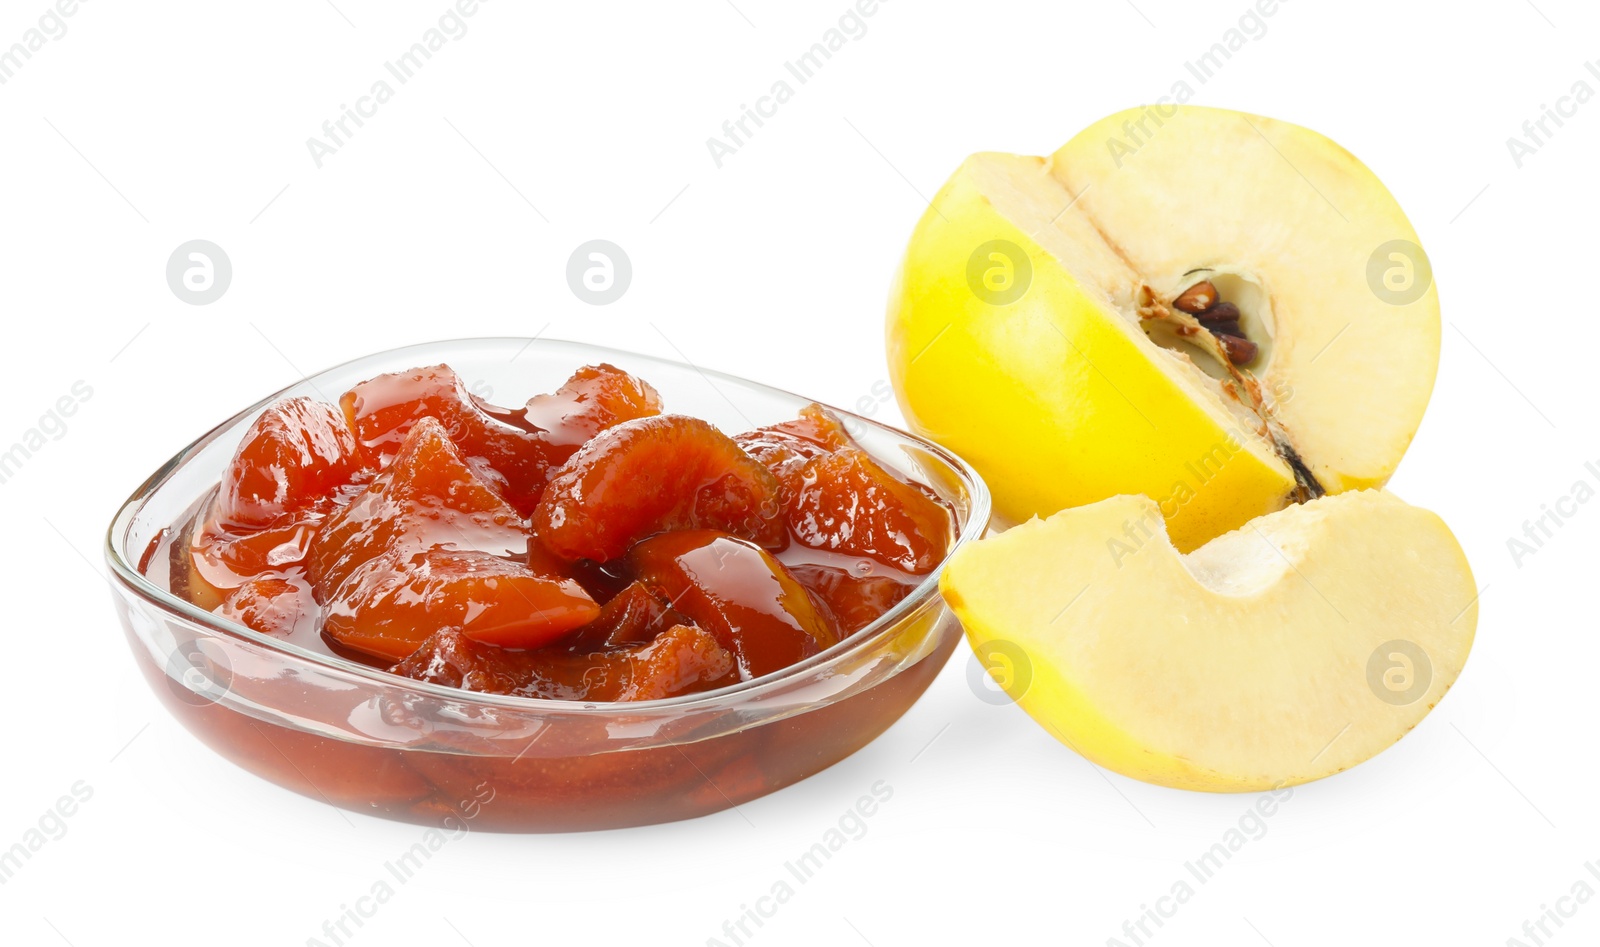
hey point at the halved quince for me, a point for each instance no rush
(1285, 651)
(1220, 311)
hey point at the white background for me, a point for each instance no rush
(452, 213)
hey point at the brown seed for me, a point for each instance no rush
(1221, 312)
(1231, 327)
(1197, 298)
(1240, 351)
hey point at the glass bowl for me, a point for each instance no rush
(360, 738)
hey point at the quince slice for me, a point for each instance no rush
(1285, 651)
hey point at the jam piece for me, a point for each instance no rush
(854, 598)
(738, 592)
(221, 559)
(838, 498)
(681, 659)
(383, 411)
(504, 446)
(786, 446)
(297, 454)
(594, 398)
(450, 658)
(847, 503)
(270, 604)
(426, 497)
(391, 604)
(632, 618)
(653, 475)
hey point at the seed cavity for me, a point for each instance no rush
(1200, 317)
(1220, 318)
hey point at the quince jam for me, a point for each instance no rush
(585, 546)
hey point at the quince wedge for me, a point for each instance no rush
(1288, 650)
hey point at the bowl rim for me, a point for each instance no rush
(129, 576)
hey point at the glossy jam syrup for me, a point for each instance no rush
(584, 547)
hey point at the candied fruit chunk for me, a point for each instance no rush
(857, 597)
(298, 453)
(682, 659)
(679, 658)
(654, 475)
(384, 410)
(221, 559)
(426, 497)
(270, 604)
(847, 503)
(784, 448)
(633, 617)
(738, 592)
(391, 604)
(452, 659)
(596, 397)
(837, 498)
(504, 446)
(817, 431)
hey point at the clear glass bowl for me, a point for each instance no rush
(372, 742)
